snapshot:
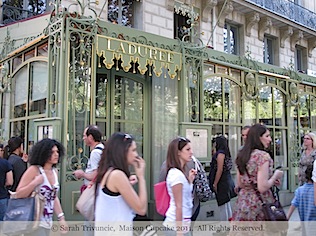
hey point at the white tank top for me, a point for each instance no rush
(112, 211)
(49, 192)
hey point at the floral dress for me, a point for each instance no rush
(305, 161)
(248, 206)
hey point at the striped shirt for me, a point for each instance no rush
(304, 201)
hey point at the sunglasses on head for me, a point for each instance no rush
(182, 142)
(127, 137)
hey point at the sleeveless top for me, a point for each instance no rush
(112, 209)
(49, 192)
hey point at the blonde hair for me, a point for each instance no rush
(313, 137)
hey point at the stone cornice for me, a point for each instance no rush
(285, 34)
(251, 20)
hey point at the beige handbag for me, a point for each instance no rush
(86, 201)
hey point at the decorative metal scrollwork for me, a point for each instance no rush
(76, 162)
(293, 94)
(250, 88)
(4, 78)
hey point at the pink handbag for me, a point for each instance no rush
(162, 197)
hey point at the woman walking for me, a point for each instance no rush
(255, 167)
(42, 175)
(180, 187)
(223, 184)
(116, 200)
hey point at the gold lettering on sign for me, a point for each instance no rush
(120, 47)
(132, 49)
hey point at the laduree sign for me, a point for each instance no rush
(161, 60)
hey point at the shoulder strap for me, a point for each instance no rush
(100, 148)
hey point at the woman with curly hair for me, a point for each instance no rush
(42, 175)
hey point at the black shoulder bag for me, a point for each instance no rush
(273, 212)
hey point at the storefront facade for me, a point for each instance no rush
(83, 70)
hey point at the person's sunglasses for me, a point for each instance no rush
(182, 142)
(127, 137)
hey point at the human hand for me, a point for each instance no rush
(139, 166)
(25, 157)
(63, 226)
(277, 182)
(215, 188)
(192, 174)
(78, 173)
(278, 174)
(133, 179)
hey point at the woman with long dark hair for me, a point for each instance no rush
(179, 186)
(116, 200)
(255, 167)
(222, 182)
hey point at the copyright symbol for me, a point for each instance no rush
(54, 228)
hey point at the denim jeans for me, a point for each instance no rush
(3, 207)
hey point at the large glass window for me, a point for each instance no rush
(20, 95)
(231, 43)
(268, 51)
(300, 59)
(38, 88)
(180, 25)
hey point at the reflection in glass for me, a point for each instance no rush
(250, 112)
(128, 100)
(265, 105)
(279, 107)
(20, 98)
(39, 86)
(304, 111)
(136, 130)
(232, 106)
(101, 96)
(213, 107)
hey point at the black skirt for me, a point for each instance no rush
(225, 189)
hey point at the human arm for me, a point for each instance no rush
(314, 180)
(238, 182)
(220, 165)
(60, 215)
(9, 178)
(29, 181)
(177, 194)
(88, 176)
(263, 181)
(119, 182)
(290, 212)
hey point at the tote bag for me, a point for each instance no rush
(23, 214)
(162, 197)
(86, 201)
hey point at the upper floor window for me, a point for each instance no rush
(300, 59)
(231, 43)
(181, 25)
(121, 12)
(13, 10)
(268, 51)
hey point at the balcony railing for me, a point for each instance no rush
(289, 10)
(13, 14)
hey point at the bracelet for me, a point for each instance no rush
(60, 215)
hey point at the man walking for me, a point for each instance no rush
(92, 138)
